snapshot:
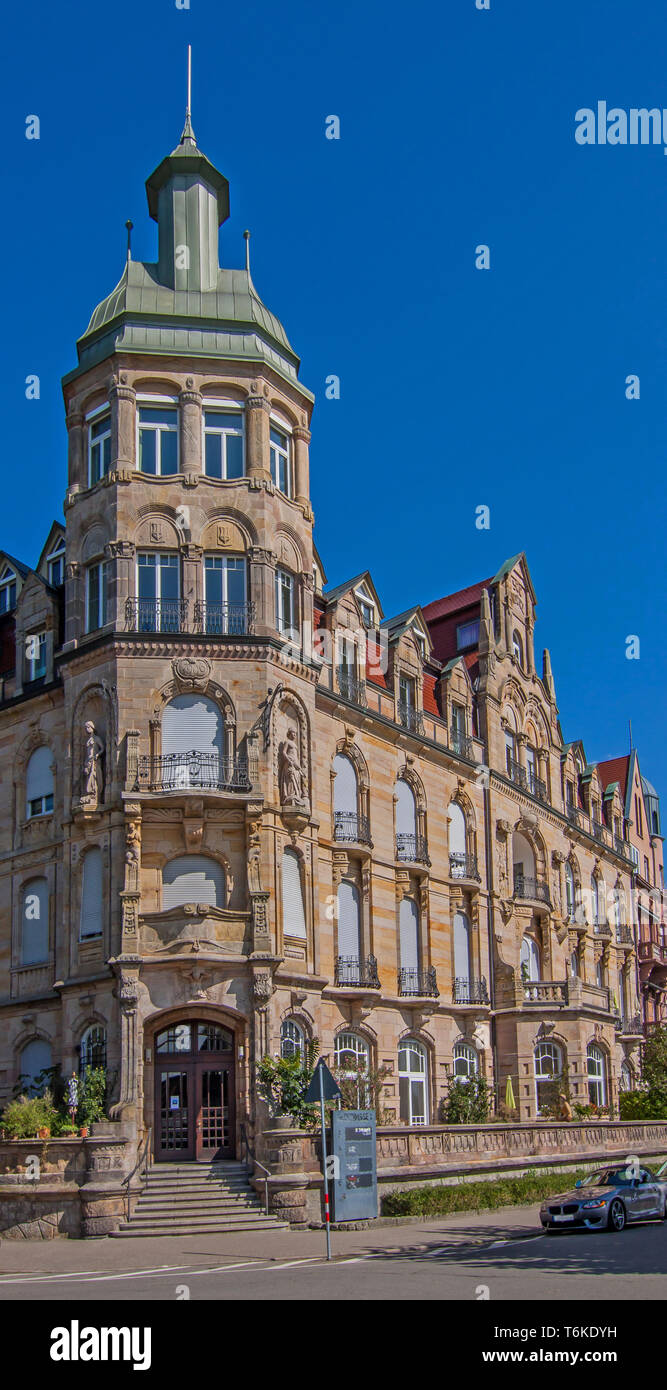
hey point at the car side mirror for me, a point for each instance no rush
(578, 1182)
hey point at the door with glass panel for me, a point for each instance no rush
(225, 610)
(194, 1093)
(159, 593)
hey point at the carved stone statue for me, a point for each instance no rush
(93, 753)
(290, 773)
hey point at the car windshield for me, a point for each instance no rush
(609, 1177)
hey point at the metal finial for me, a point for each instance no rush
(246, 235)
(129, 225)
(189, 105)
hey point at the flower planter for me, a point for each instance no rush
(44, 1132)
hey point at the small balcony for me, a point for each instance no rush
(545, 992)
(352, 972)
(623, 935)
(351, 829)
(602, 929)
(460, 743)
(464, 866)
(537, 788)
(224, 619)
(598, 831)
(531, 889)
(173, 615)
(410, 718)
(517, 774)
(652, 950)
(167, 615)
(175, 772)
(575, 816)
(466, 991)
(350, 687)
(412, 849)
(629, 1025)
(421, 984)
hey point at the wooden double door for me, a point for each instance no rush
(194, 1093)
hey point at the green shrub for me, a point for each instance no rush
(283, 1081)
(22, 1118)
(92, 1096)
(478, 1196)
(467, 1102)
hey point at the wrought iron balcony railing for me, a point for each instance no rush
(192, 772)
(620, 846)
(460, 743)
(353, 972)
(535, 888)
(652, 950)
(411, 849)
(602, 929)
(350, 828)
(575, 816)
(466, 991)
(516, 773)
(624, 935)
(421, 983)
(224, 619)
(598, 830)
(464, 866)
(410, 718)
(628, 1025)
(350, 687)
(537, 787)
(167, 615)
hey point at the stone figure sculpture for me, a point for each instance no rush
(93, 781)
(290, 774)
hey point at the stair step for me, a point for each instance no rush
(130, 1232)
(199, 1223)
(164, 1211)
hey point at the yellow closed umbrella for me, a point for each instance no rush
(509, 1095)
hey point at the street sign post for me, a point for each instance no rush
(323, 1087)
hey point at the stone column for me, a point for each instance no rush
(74, 601)
(301, 437)
(257, 415)
(190, 415)
(530, 642)
(126, 967)
(192, 579)
(123, 426)
(262, 567)
(76, 452)
(121, 555)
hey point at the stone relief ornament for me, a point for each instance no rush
(93, 779)
(192, 672)
(290, 771)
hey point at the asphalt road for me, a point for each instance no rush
(499, 1256)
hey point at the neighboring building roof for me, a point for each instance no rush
(19, 565)
(340, 589)
(615, 770)
(452, 603)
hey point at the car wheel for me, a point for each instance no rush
(616, 1218)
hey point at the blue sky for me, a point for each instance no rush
(458, 387)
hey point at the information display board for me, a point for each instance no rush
(355, 1165)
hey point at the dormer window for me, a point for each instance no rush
(517, 648)
(467, 635)
(55, 565)
(223, 444)
(35, 656)
(158, 440)
(281, 471)
(99, 448)
(8, 592)
(366, 607)
(421, 642)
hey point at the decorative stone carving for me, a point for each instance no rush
(92, 787)
(262, 987)
(191, 673)
(290, 771)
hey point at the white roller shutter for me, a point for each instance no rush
(192, 879)
(348, 920)
(39, 777)
(345, 785)
(91, 894)
(461, 947)
(294, 919)
(409, 934)
(191, 723)
(457, 830)
(35, 922)
(406, 816)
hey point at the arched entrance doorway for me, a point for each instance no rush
(194, 1092)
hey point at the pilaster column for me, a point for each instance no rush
(190, 415)
(257, 415)
(127, 967)
(121, 555)
(262, 566)
(508, 624)
(530, 642)
(301, 437)
(192, 576)
(76, 453)
(74, 604)
(123, 425)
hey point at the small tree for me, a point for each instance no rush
(649, 1101)
(282, 1083)
(92, 1096)
(362, 1087)
(467, 1101)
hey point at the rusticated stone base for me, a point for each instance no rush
(60, 1188)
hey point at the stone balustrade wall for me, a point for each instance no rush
(75, 1189)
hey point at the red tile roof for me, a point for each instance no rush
(451, 603)
(430, 702)
(615, 770)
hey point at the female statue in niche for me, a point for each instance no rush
(290, 775)
(93, 781)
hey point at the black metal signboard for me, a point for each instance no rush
(354, 1165)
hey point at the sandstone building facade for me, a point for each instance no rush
(238, 808)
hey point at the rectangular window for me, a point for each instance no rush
(158, 590)
(467, 635)
(40, 806)
(96, 596)
(35, 656)
(458, 719)
(158, 440)
(510, 752)
(280, 460)
(284, 601)
(56, 569)
(225, 590)
(223, 444)
(406, 692)
(99, 449)
(8, 595)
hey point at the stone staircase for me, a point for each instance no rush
(191, 1199)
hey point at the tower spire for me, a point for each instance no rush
(188, 136)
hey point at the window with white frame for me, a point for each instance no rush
(90, 923)
(35, 656)
(158, 589)
(517, 647)
(548, 1059)
(225, 613)
(35, 922)
(462, 959)
(466, 1061)
(530, 960)
(55, 565)
(412, 1083)
(626, 1077)
(281, 466)
(599, 975)
(570, 897)
(223, 444)
(352, 1058)
(39, 783)
(597, 1084)
(367, 610)
(8, 590)
(93, 1048)
(96, 595)
(193, 878)
(158, 440)
(595, 899)
(284, 601)
(510, 750)
(291, 1039)
(99, 448)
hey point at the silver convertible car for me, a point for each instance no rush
(609, 1198)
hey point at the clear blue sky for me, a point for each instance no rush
(459, 387)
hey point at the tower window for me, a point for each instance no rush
(99, 449)
(223, 444)
(96, 596)
(284, 601)
(280, 461)
(158, 441)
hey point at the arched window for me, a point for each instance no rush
(192, 743)
(517, 647)
(574, 965)
(349, 934)
(194, 1037)
(294, 917)
(597, 1087)
(462, 964)
(35, 922)
(346, 799)
(412, 1083)
(350, 1052)
(524, 864)
(530, 960)
(35, 1059)
(457, 841)
(466, 1061)
(90, 923)
(93, 1048)
(595, 899)
(408, 917)
(291, 1039)
(548, 1068)
(192, 878)
(570, 895)
(39, 783)
(406, 821)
